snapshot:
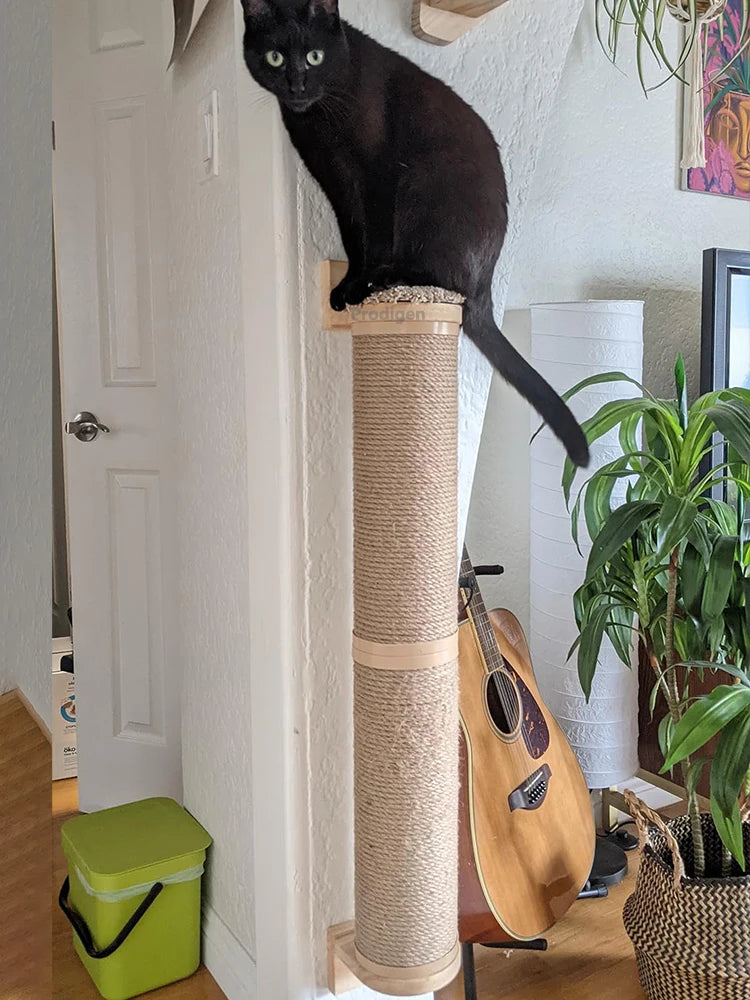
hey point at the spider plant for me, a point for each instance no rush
(671, 566)
(646, 18)
(734, 74)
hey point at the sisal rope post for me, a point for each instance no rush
(405, 392)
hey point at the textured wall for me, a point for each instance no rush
(497, 69)
(26, 344)
(605, 219)
(205, 289)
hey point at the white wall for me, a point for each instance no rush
(497, 68)
(25, 351)
(212, 515)
(605, 219)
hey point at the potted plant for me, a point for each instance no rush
(671, 566)
(647, 18)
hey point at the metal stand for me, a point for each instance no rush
(467, 955)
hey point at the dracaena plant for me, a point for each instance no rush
(670, 566)
(646, 20)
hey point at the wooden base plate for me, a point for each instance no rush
(346, 972)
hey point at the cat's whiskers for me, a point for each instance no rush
(260, 99)
(334, 104)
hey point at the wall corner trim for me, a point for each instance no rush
(35, 715)
(225, 958)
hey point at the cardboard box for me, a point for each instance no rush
(64, 736)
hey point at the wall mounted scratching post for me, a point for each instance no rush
(443, 21)
(405, 388)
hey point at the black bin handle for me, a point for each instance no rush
(83, 932)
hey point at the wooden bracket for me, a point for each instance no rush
(331, 273)
(443, 21)
(341, 959)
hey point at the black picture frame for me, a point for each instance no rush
(720, 269)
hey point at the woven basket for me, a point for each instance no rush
(691, 936)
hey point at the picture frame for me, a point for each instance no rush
(725, 341)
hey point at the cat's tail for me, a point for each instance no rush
(480, 326)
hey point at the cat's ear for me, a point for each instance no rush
(256, 8)
(329, 7)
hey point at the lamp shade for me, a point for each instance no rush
(571, 342)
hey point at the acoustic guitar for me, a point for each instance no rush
(526, 834)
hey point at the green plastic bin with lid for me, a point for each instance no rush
(133, 894)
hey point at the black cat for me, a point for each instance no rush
(412, 172)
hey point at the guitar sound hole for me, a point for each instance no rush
(502, 702)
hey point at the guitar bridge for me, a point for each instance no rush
(532, 792)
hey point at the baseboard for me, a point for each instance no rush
(34, 714)
(226, 959)
(234, 970)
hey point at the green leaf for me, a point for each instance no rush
(698, 538)
(681, 386)
(695, 770)
(665, 736)
(727, 668)
(597, 508)
(710, 399)
(675, 521)
(590, 646)
(719, 578)
(692, 579)
(629, 435)
(732, 418)
(730, 830)
(705, 718)
(620, 632)
(724, 515)
(608, 417)
(604, 379)
(731, 761)
(620, 527)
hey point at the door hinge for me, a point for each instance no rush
(54, 137)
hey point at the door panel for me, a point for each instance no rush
(109, 96)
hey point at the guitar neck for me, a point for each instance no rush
(474, 607)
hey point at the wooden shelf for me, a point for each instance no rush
(443, 21)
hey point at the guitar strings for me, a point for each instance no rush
(499, 671)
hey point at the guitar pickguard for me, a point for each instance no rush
(534, 728)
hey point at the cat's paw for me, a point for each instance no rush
(338, 298)
(377, 280)
(358, 290)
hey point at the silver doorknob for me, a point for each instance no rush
(86, 427)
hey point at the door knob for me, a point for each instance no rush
(86, 427)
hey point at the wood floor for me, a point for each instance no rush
(32, 856)
(26, 825)
(589, 958)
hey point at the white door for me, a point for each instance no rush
(109, 104)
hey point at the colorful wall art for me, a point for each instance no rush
(727, 107)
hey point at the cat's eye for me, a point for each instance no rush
(274, 59)
(316, 57)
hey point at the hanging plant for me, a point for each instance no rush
(648, 18)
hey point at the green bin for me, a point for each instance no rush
(133, 895)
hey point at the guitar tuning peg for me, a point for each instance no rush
(494, 570)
